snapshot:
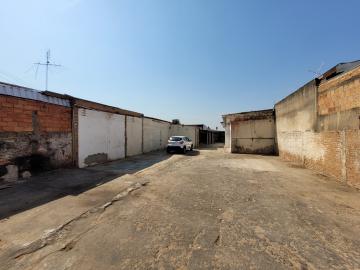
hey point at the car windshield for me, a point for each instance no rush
(175, 139)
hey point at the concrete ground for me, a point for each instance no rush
(205, 210)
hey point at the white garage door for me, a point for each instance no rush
(101, 137)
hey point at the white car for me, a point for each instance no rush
(179, 143)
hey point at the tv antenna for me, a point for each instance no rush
(47, 64)
(318, 71)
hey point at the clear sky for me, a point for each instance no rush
(189, 59)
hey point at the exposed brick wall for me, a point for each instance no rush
(353, 157)
(332, 144)
(340, 93)
(333, 153)
(333, 147)
(75, 135)
(34, 135)
(17, 115)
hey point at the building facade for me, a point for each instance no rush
(318, 125)
(45, 130)
(250, 132)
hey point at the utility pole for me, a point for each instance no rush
(47, 64)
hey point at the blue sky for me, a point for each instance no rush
(189, 59)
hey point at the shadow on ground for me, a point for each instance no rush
(193, 153)
(53, 185)
(214, 146)
(188, 153)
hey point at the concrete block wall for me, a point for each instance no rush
(34, 135)
(296, 119)
(297, 112)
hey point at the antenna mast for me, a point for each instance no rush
(47, 64)
(318, 71)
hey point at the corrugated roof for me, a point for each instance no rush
(339, 69)
(268, 111)
(24, 92)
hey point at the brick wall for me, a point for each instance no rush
(340, 94)
(353, 157)
(34, 136)
(18, 115)
(332, 145)
(333, 153)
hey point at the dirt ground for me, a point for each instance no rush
(204, 210)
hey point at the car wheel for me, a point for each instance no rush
(184, 149)
(192, 147)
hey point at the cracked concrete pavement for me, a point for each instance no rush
(206, 210)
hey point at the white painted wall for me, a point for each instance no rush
(102, 136)
(261, 128)
(253, 136)
(133, 135)
(227, 145)
(100, 133)
(156, 134)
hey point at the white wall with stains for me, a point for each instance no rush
(156, 134)
(227, 146)
(250, 132)
(101, 137)
(104, 136)
(253, 136)
(133, 135)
